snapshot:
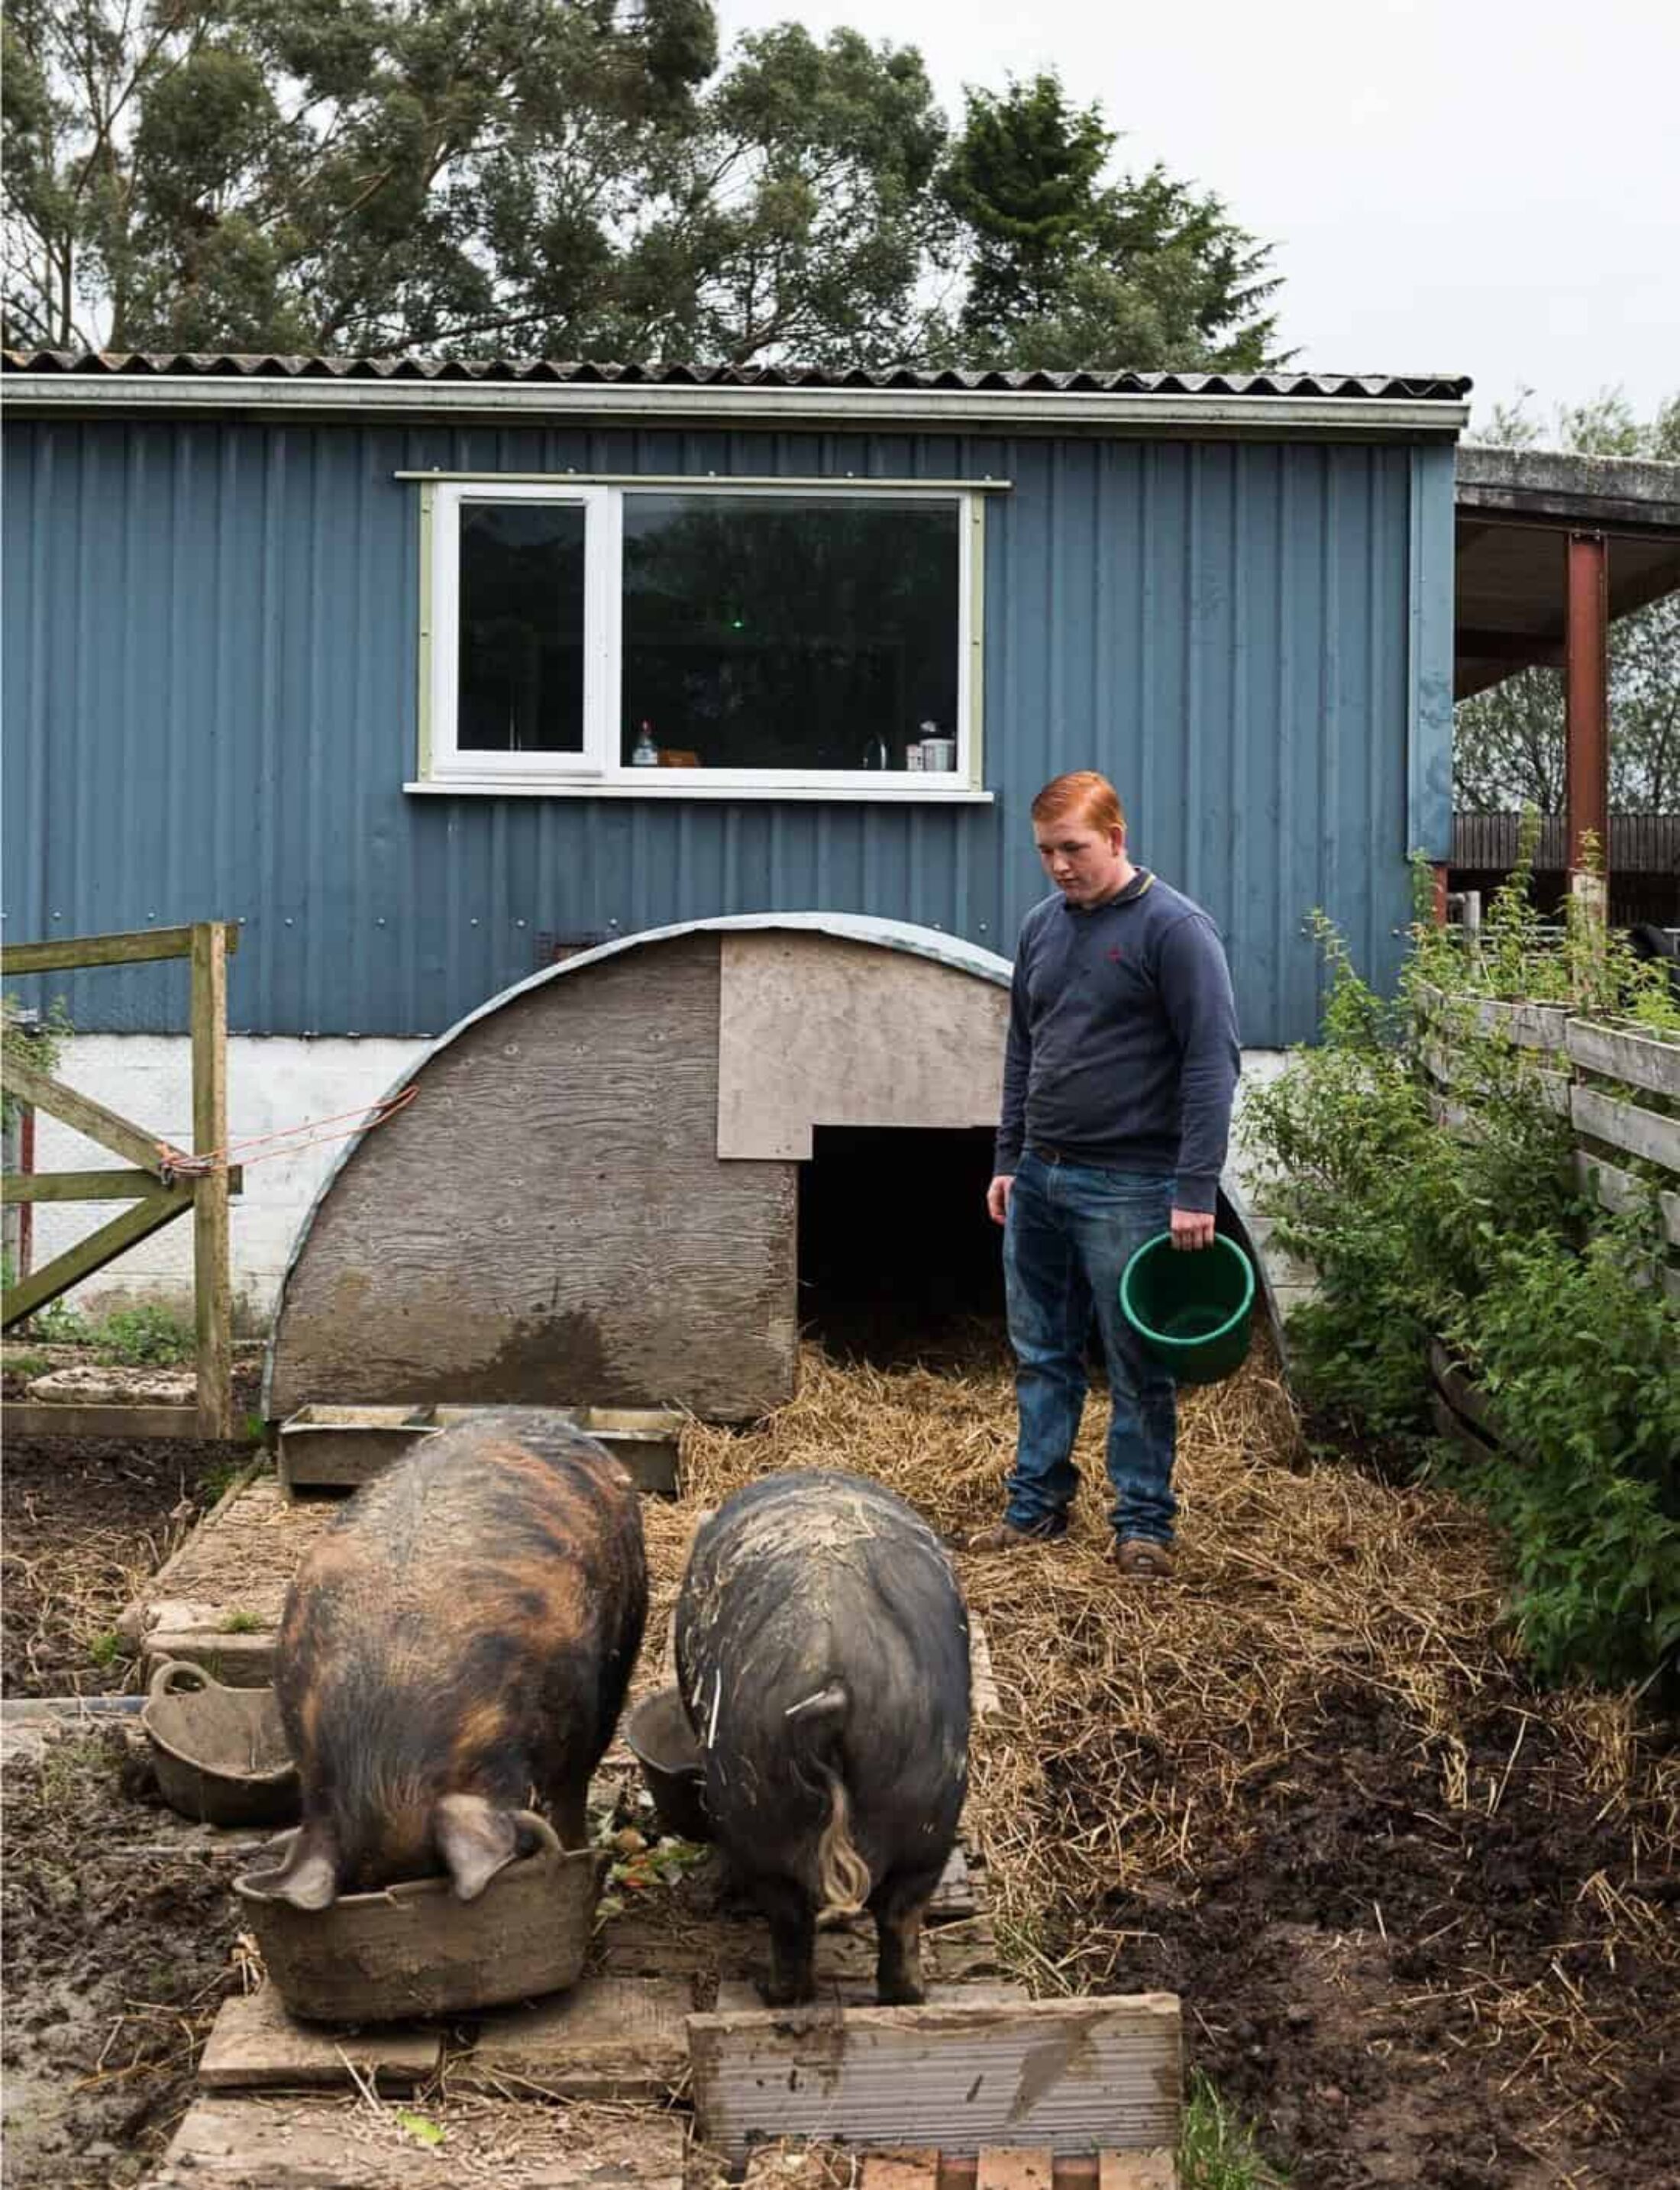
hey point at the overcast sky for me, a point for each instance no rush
(1481, 186)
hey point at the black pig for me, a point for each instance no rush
(822, 1649)
(459, 1639)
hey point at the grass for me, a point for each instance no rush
(104, 1649)
(241, 1623)
(1216, 2150)
(25, 1364)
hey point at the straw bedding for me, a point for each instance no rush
(1305, 1781)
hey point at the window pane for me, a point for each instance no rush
(521, 673)
(783, 631)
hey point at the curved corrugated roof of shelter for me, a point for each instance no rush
(107, 365)
(955, 952)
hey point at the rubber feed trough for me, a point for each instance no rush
(1194, 1309)
(415, 1949)
(219, 1753)
(658, 1736)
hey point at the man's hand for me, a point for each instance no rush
(997, 1197)
(1192, 1227)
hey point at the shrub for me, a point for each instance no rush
(1475, 1236)
(144, 1336)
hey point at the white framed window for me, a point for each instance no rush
(683, 638)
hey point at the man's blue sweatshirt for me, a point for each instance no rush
(1122, 1050)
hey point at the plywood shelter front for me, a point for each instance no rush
(591, 1199)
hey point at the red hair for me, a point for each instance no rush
(1084, 797)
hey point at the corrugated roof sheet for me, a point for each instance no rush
(1443, 388)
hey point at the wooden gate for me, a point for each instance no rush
(164, 1183)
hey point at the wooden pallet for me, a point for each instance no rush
(1015, 2167)
(1066, 2077)
(339, 1447)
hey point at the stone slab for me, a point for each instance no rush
(227, 2144)
(256, 2045)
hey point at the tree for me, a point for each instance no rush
(792, 219)
(1070, 270)
(328, 174)
(576, 178)
(1508, 742)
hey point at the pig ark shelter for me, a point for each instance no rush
(669, 735)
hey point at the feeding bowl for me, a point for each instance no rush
(1191, 1308)
(220, 1753)
(415, 1949)
(658, 1736)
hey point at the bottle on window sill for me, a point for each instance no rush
(646, 752)
(874, 753)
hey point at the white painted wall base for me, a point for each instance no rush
(274, 1082)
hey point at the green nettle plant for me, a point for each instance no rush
(1451, 1214)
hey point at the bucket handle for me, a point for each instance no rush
(163, 1681)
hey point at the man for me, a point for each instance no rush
(1121, 1062)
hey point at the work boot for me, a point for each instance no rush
(1141, 1559)
(1004, 1536)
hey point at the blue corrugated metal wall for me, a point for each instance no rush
(210, 666)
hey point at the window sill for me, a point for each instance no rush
(690, 783)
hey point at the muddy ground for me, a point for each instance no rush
(1365, 1984)
(84, 1524)
(116, 1958)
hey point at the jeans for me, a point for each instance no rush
(1070, 1232)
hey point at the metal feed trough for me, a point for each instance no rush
(339, 1447)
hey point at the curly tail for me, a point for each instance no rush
(843, 1881)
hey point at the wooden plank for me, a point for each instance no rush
(1015, 2167)
(1642, 1132)
(226, 2143)
(954, 1896)
(26, 1084)
(819, 1030)
(547, 1224)
(740, 1996)
(1640, 1060)
(31, 1420)
(1451, 1425)
(91, 1185)
(134, 948)
(616, 2039)
(93, 1253)
(1531, 1026)
(903, 2169)
(1071, 2075)
(238, 1659)
(256, 2045)
(340, 1448)
(1136, 2170)
(1617, 1189)
(213, 1285)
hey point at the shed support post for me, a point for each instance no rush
(1586, 772)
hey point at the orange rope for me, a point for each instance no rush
(178, 1163)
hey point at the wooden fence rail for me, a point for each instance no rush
(164, 1183)
(1620, 1088)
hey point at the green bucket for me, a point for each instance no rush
(1191, 1308)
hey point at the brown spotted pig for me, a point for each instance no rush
(458, 1640)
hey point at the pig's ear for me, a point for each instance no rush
(475, 1840)
(309, 1876)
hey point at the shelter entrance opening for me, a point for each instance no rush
(897, 1256)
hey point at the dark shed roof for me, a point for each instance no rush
(143, 365)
